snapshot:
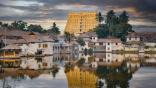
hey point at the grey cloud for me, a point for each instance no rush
(145, 8)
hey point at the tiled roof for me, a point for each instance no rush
(113, 40)
(133, 35)
(12, 46)
(18, 36)
(88, 35)
(148, 36)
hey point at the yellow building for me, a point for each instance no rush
(81, 79)
(80, 22)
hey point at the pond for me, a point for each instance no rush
(100, 70)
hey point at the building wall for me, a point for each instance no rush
(32, 48)
(150, 44)
(81, 22)
(108, 47)
(131, 39)
(49, 49)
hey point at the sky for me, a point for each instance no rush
(142, 13)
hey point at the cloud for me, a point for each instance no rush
(20, 3)
(141, 12)
(76, 7)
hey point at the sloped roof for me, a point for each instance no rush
(133, 35)
(148, 36)
(112, 40)
(12, 47)
(88, 34)
(14, 41)
(17, 36)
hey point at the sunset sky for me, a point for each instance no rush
(142, 12)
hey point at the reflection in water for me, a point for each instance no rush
(100, 70)
(79, 78)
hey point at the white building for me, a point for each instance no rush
(133, 37)
(37, 63)
(88, 37)
(61, 46)
(109, 44)
(37, 44)
(31, 43)
(107, 59)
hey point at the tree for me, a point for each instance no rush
(68, 36)
(55, 30)
(111, 19)
(123, 18)
(116, 26)
(101, 31)
(55, 70)
(20, 25)
(5, 25)
(2, 44)
(36, 28)
(81, 41)
(81, 62)
(1, 24)
(99, 17)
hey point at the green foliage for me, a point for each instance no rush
(81, 62)
(68, 36)
(54, 30)
(81, 41)
(147, 47)
(116, 26)
(90, 51)
(102, 31)
(99, 17)
(55, 70)
(36, 28)
(21, 25)
(2, 44)
(91, 59)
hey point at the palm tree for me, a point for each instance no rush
(123, 17)
(54, 30)
(99, 17)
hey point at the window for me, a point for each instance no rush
(108, 55)
(108, 48)
(45, 45)
(108, 43)
(39, 45)
(100, 43)
(129, 38)
(135, 38)
(116, 43)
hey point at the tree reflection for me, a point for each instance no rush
(114, 76)
(55, 70)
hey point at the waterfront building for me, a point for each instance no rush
(61, 46)
(88, 37)
(107, 59)
(133, 43)
(109, 44)
(10, 51)
(80, 22)
(133, 37)
(31, 43)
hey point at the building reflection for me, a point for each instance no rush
(103, 70)
(79, 78)
(100, 70)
